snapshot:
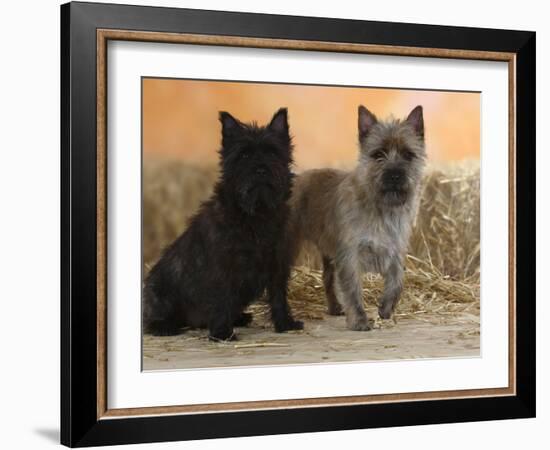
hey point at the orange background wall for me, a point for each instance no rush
(180, 118)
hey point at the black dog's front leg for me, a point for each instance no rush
(220, 323)
(277, 298)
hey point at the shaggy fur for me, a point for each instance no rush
(361, 220)
(233, 249)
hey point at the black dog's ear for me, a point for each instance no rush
(279, 123)
(366, 121)
(416, 119)
(230, 125)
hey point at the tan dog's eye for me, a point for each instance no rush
(378, 154)
(408, 155)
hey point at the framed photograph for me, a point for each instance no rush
(276, 224)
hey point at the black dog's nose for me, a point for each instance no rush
(261, 171)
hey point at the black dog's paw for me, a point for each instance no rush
(244, 320)
(289, 324)
(224, 336)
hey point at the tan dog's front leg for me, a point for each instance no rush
(350, 289)
(393, 286)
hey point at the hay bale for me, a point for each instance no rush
(445, 240)
(172, 193)
(442, 267)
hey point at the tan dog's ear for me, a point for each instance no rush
(416, 119)
(365, 122)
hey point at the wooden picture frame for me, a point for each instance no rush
(85, 417)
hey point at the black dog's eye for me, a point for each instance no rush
(408, 155)
(378, 154)
(244, 155)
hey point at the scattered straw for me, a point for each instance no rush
(261, 344)
(424, 294)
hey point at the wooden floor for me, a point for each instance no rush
(321, 341)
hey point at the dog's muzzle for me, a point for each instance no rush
(394, 180)
(394, 187)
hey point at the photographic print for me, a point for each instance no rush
(299, 224)
(267, 220)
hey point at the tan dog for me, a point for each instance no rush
(361, 220)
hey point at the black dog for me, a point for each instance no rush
(234, 247)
